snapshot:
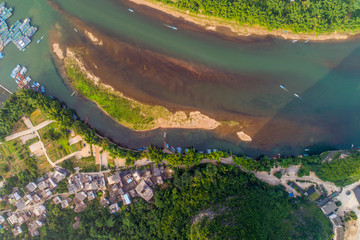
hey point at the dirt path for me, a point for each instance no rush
(76, 154)
(29, 131)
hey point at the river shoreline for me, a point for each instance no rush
(229, 28)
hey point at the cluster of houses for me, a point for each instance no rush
(29, 203)
(113, 188)
(326, 203)
(116, 188)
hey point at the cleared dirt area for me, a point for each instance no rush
(351, 230)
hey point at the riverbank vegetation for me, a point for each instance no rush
(127, 112)
(339, 171)
(309, 16)
(206, 202)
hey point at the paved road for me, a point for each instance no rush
(29, 131)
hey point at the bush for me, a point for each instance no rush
(278, 174)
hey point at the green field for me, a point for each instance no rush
(314, 196)
(57, 147)
(87, 164)
(37, 117)
(12, 155)
(18, 127)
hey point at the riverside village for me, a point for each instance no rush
(93, 174)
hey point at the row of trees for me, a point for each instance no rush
(309, 16)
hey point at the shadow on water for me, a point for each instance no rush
(327, 113)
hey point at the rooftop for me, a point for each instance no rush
(329, 208)
(144, 190)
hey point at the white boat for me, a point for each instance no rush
(23, 70)
(28, 79)
(38, 41)
(294, 41)
(297, 95)
(15, 71)
(75, 30)
(172, 27)
(131, 10)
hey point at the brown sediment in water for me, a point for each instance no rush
(179, 119)
(116, 63)
(229, 28)
(156, 79)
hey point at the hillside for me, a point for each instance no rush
(232, 200)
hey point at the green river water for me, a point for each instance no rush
(325, 75)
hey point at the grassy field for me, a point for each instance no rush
(87, 164)
(12, 154)
(37, 117)
(18, 127)
(43, 165)
(58, 147)
(129, 113)
(314, 196)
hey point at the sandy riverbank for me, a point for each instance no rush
(215, 24)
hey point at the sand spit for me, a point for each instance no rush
(214, 23)
(57, 50)
(244, 137)
(94, 39)
(179, 119)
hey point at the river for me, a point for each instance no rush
(323, 74)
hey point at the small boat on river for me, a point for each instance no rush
(2, 55)
(75, 30)
(131, 10)
(172, 27)
(307, 41)
(38, 41)
(294, 41)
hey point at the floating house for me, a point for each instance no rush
(19, 33)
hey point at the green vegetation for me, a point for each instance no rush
(340, 171)
(278, 174)
(62, 186)
(18, 127)
(303, 171)
(37, 117)
(56, 141)
(233, 200)
(128, 112)
(351, 216)
(12, 156)
(29, 174)
(69, 165)
(314, 196)
(310, 16)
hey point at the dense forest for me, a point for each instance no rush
(206, 202)
(308, 16)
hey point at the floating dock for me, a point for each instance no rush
(18, 73)
(19, 33)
